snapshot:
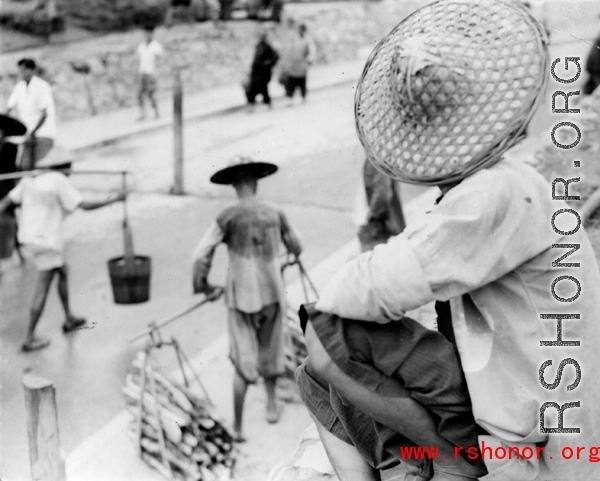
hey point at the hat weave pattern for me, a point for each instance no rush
(450, 89)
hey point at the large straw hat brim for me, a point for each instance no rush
(11, 126)
(258, 170)
(480, 68)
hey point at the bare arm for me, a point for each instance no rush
(289, 237)
(39, 124)
(5, 203)
(203, 255)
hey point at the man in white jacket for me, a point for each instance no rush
(523, 318)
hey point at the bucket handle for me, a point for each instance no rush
(307, 284)
(129, 253)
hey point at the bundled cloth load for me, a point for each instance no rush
(177, 433)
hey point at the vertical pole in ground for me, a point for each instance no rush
(45, 456)
(177, 188)
(51, 13)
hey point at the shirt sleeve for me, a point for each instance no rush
(16, 194)
(482, 229)
(204, 252)
(69, 196)
(12, 100)
(44, 99)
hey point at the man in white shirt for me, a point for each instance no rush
(148, 51)
(490, 246)
(45, 199)
(32, 103)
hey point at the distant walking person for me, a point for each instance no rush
(255, 234)
(300, 56)
(45, 199)
(265, 58)
(148, 52)
(384, 218)
(31, 102)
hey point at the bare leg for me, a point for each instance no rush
(345, 458)
(42, 287)
(141, 104)
(63, 290)
(72, 322)
(153, 103)
(240, 386)
(272, 410)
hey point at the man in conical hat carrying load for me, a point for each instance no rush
(441, 100)
(255, 234)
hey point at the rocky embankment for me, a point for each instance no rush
(209, 54)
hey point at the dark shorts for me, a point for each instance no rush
(34, 151)
(293, 83)
(256, 342)
(398, 359)
(147, 84)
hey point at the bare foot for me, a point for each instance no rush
(35, 344)
(73, 323)
(273, 413)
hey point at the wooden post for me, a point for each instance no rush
(45, 456)
(177, 188)
(51, 12)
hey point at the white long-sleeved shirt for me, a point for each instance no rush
(487, 246)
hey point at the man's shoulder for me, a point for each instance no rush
(39, 82)
(20, 87)
(248, 210)
(508, 175)
(53, 177)
(497, 186)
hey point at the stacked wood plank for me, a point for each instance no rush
(175, 428)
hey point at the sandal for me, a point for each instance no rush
(35, 344)
(73, 324)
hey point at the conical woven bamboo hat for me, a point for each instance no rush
(450, 89)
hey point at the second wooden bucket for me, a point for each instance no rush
(130, 280)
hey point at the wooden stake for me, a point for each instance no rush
(46, 459)
(177, 188)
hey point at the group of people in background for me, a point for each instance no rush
(293, 59)
(296, 56)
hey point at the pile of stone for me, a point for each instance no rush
(176, 430)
